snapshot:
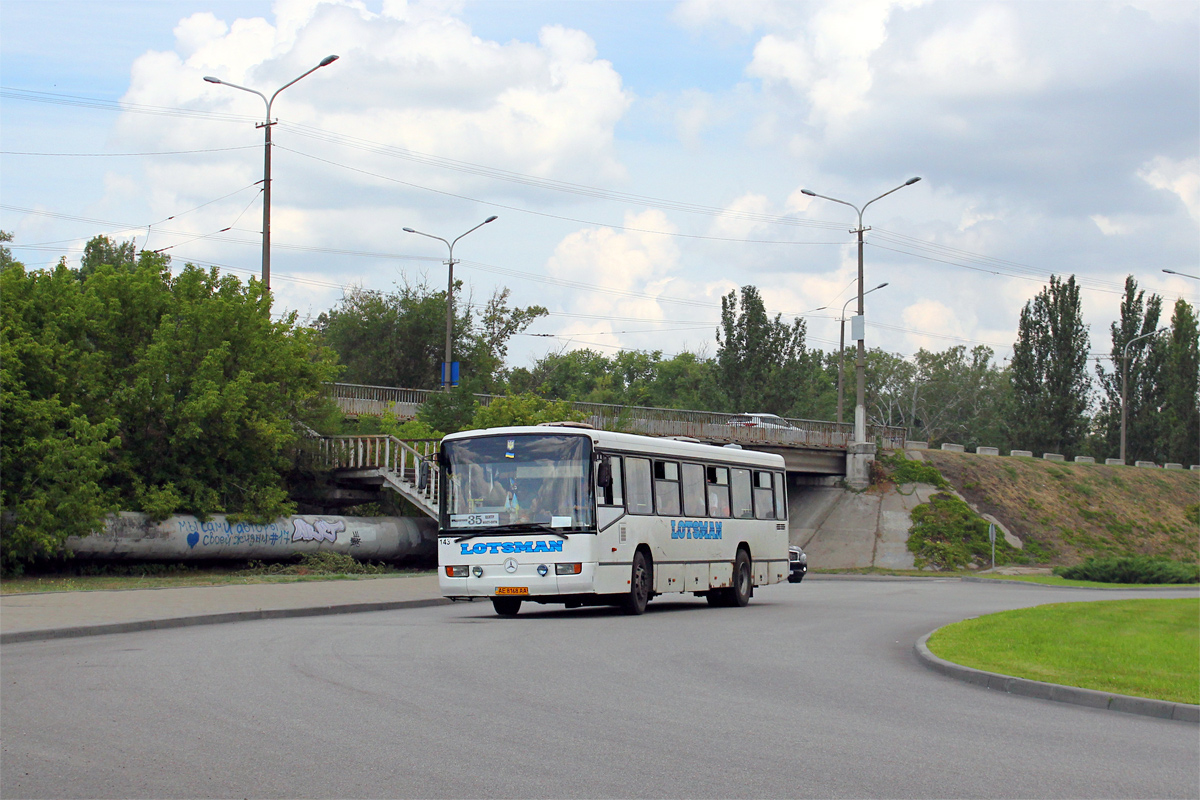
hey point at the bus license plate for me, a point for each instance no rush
(512, 590)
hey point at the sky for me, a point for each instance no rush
(643, 159)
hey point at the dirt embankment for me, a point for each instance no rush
(1072, 511)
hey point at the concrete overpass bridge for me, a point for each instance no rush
(363, 465)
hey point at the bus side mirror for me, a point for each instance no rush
(604, 477)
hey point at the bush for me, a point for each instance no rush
(323, 562)
(1131, 569)
(947, 534)
(903, 470)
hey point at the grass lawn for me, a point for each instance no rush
(1145, 648)
(1054, 580)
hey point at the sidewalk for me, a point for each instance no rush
(56, 615)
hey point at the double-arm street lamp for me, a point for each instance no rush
(842, 349)
(266, 126)
(449, 296)
(860, 408)
(1125, 381)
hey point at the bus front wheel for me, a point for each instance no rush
(506, 606)
(640, 581)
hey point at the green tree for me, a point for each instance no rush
(129, 388)
(1144, 377)
(524, 409)
(399, 339)
(763, 364)
(1180, 432)
(1050, 388)
(100, 250)
(954, 395)
(54, 458)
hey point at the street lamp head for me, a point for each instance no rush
(807, 192)
(880, 286)
(211, 79)
(492, 218)
(409, 230)
(911, 181)
(327, 60)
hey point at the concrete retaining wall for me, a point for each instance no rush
(132, 537)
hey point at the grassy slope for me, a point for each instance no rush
(1080, 510)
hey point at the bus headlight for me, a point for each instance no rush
(568, 569)
(456, 572)
(477, 571)
(542, 570)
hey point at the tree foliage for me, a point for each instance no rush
(763, 364)
(1142, 374)
(1050, 386)
(127, 387)
(954, 395)
(1179, 435)
(524, 409)
(399, 338)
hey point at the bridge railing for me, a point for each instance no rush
(407, 462)
(703, 425)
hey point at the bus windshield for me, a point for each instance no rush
(525, 479)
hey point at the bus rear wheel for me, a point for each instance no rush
(743, 581)
(506, 606)
(640, 581)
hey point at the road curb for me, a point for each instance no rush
(49, 634)
(1121, 588)
(1091, 698)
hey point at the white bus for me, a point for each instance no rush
(568, 514)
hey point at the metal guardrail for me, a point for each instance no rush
(703, 425)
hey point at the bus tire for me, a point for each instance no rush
(506, 606)
(743, 580)
(641, 578)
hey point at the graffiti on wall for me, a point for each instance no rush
(220, 533)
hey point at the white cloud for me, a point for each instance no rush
(1109, 227)
(1180, 177)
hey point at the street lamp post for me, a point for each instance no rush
(860, 407)
(842, 349)
(266, 126)
(449, 295)
(1181, 274)
(1125, 382)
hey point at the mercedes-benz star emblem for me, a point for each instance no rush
(510, 565)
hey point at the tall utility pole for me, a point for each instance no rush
(1125, 382)
(449, 297)
(860, 407)
(266, 126)
(842, 349)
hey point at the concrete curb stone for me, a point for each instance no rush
(1162, 709)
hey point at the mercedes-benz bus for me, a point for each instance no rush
(567, 514)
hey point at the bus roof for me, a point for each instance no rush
(630, 442)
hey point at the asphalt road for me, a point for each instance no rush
(811, 691)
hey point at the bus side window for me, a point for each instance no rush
(637, 486)
(742, 508)
(718, 491)
(693, 490)
(780, 496)
(764, 503)
(610, 492)
(666, 488)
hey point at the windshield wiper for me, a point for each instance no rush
(516, 527)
